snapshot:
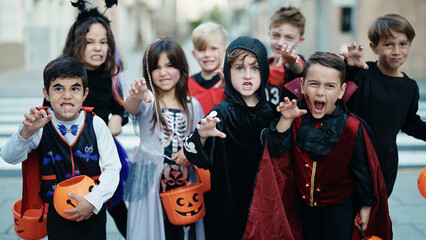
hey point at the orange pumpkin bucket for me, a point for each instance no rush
(374, 238)
(79, 185)
(184, 205)
(421, 182)
(203, 176)
(32, 225)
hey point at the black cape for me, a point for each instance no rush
(233, 161)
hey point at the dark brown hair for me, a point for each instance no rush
(329, 60)
(383, 26)
(76, 41)
(64, 67)
(177, 59)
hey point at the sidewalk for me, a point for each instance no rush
(407, 208)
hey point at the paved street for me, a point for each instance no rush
(20, 90)
(407, 207)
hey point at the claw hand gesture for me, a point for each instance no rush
(289, 110)
(288, 55)
(139, 90)
(354, 56)
(221, 82)
(207, 127)
(36, 119)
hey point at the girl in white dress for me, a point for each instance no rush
(165, 114)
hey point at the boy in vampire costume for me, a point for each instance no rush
(319, 165)
(50, 143)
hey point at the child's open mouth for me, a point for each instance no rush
(247, 85)
(319, 106)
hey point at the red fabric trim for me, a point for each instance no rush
(295, 88)
(88, 109)
(42, 108)
(379, 223)
(48, 177)
(275, 188)
(31, 183)
(351, 87)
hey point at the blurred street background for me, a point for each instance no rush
(32, 32)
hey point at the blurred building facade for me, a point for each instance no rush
(32, 32)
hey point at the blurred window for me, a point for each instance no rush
(346, 19)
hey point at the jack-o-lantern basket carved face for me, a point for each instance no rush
(184, 205)
(79, 185)
(32, 225)
(421, 182)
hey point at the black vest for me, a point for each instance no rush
(60, 161)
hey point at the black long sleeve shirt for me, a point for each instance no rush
(388, 105)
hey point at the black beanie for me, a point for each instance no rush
(258, 49)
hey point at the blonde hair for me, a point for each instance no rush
(202, 34)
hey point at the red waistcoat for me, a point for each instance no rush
(327, 181)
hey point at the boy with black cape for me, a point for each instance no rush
(233, 151)
(275, 207)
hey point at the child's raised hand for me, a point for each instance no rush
(221, 82)
(83, 211)
(207, 126)
(139, 90)
(354, 56)
(289, 109)
(288, 55)
(36, 119)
